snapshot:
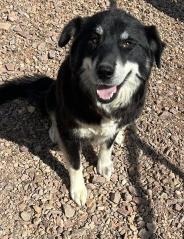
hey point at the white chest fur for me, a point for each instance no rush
(98, 133)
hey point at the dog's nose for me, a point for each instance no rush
(105, 71)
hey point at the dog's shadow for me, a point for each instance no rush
(30, 132)
(173, 9)
(134, 145)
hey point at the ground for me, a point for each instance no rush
(145, 197)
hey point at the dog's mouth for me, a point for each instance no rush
(107, 93)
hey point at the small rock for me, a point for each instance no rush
(12, 17)
(123, 211)
(10, 67)
(36, 220)
(91, 225)
(115, 197)
(94, 218)
(59, 221)
(37, 209)
(79, 233)
(69, 211)
(41, 46)
(22, 206)
(133, 228)
(51, 54)
(91, 204)
(5, 26)
(177, 207)
(26, 216)
(98, 179)
(127, 197)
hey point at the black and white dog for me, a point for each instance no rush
(100, 87)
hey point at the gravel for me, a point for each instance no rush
(145, 197)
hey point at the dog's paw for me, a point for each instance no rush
(105, 168)
(78, 193)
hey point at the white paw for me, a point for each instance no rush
(105, 168)
(78, 193)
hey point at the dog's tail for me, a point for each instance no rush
(33, 88)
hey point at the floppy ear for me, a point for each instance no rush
(70, 30)
(156, 44)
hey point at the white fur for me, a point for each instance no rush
(124, 35)
(98, 132)
(78, 189)
(129, 87)
(99, 30)
(105, 164)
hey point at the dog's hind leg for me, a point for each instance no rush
(105, 164)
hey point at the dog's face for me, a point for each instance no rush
(112, 53)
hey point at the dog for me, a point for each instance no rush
(100, 87)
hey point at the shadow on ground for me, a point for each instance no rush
(134, 144)
(30, 131)
(172, 8)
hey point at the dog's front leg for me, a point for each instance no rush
(105, 164)
(78, 189)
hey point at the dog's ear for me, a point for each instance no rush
(156, 44)
(70, 30)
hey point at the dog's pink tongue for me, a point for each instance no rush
(106, 93)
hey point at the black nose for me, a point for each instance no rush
(105, 71)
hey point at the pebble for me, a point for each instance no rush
(69, 211)
(37, 209)
(115, 197)
(98, 179)
(5, 26)
(26, 216)
(178, 207)
(12, 16)
(22, 206)
(10, 67)
(51, 54)
(91, 205)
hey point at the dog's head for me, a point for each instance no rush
(111, 50)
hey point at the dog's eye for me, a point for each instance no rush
(125, 44)
(94, 40)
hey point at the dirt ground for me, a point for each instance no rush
(145, 197)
